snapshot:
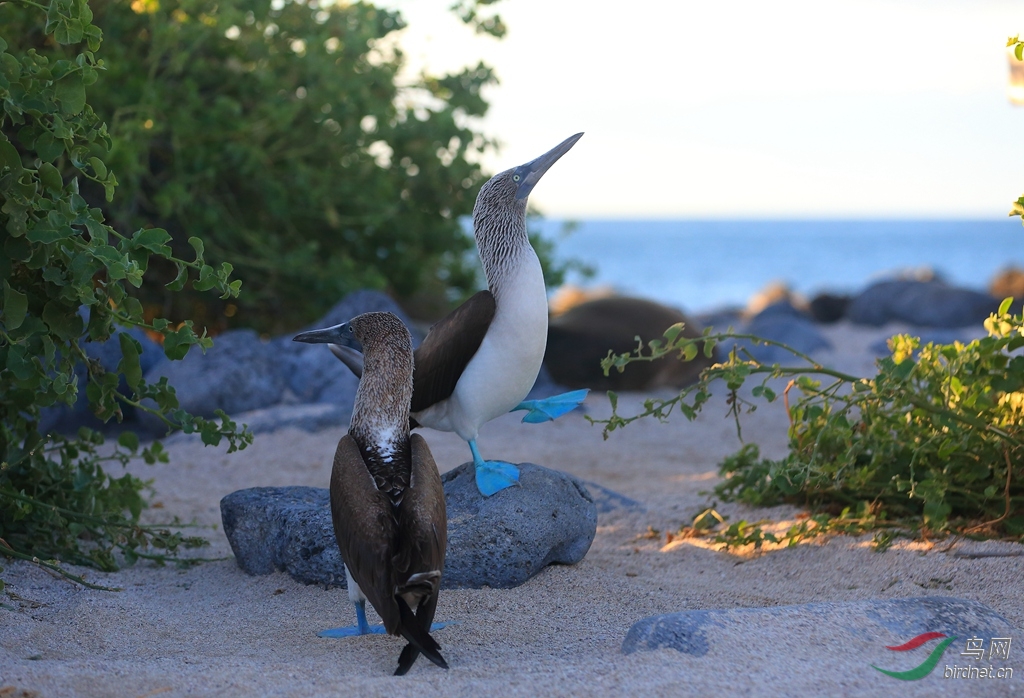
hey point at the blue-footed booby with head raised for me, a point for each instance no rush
(481, 360)
(387, 501)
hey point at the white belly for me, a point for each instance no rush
(506, 365)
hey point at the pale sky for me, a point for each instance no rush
(747, 108)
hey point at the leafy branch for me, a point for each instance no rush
(69, 279)
(932, 441)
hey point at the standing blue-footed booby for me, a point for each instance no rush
(387, 501)
(481, 360)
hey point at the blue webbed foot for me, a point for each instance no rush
(352, 631)
(355, 631)
(364, 628)
(551, 408)
(494, 476)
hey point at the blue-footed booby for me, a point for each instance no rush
(387, 502)
(481, 360)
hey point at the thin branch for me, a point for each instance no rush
(5, 549)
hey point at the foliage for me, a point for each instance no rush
(69, 278)
(1018, 52)
(286, 136)
(934, 440)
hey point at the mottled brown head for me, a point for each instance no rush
(499, 215)
(381, 411)
(385, 390)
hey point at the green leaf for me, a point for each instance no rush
(1004, 307)
(63, 321)
(19, 362)
(15, 307)
(50, 178)
(197, 245)
(1018, 51)
(68, 31)
(48, 235)
(48, 148)
(9, 157)
(129, 440)
(152, 239)
(98, 167)
(70, 91)
(180, 279)
(129, 365)
(177, 342)
(207, 279)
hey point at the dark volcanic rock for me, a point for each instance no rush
(311, 371)
(284, 528)
(237, 374)
(242, 374)
(581, 337)
(500, 541)
(503, 540)
(920, 303)
(828, 307)
(782, 322)
(879, 622)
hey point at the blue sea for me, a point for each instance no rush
(700, 265)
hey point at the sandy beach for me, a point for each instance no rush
(212, 630)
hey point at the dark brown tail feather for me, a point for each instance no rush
(419, 640)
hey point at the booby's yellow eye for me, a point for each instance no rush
(515, 178)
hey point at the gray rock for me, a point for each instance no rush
(503, 540)
(67, 419)
(500, 541)
(311, 371)
(858, 625)
(238, 374)
(828, 307)
(782, 322)
(920, 303)
(311, 418)
(284, 528)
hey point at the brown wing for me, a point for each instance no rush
(447, 348)
(423, 523)
(365, 529)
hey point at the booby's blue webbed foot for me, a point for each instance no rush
(551, 408)
(354, 630)
(362, 627)
(492, 475)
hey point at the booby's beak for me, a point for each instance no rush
(530, 173)
(339, 334)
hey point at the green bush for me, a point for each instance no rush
(68, 279)
(933, 442)
(282, 135)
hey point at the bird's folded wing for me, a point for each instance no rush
(365, 528)
(447, 349)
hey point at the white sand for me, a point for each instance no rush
(213, 630)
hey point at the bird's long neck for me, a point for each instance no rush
(380, 418)
(503, 243)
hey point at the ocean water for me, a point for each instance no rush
(700, 265)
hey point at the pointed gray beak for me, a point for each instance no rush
(339, 334)
(531, 172)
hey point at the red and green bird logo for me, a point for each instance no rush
(925, 667)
